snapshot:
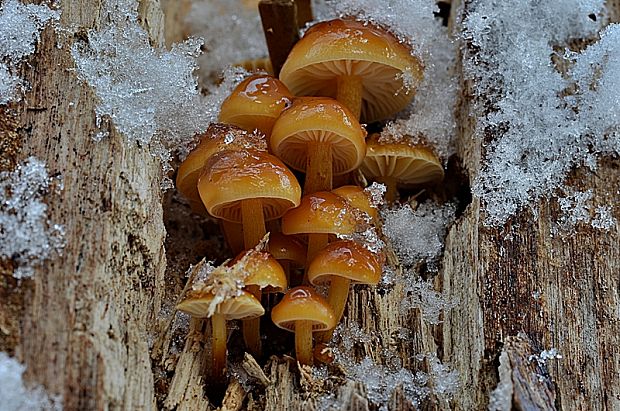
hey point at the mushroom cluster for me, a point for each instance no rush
(340, 73)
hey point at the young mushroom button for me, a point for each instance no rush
(320, 137)
(341, 264)
(400, 163)
(363, 66)
(244, 306)
(249, 187)
(303, 311)
(256, 103)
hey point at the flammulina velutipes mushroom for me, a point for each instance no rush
(342, 72)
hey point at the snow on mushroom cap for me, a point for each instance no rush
(349, 47)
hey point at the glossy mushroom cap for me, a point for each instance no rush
(321, 212)
(345, 259)
(347, 47)
(286, 247)
(256, 103)
(358, 199)
(408, 164)
(244, 306)
(318, 120)
(303, 304)
(264, 271)
(218, 137)
(230, 177)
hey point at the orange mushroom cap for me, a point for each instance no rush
(232, 176)
(320, 212)
(344, 259)
(218, 137)
(264, 271)
(243, 306)
(318, 120)
(287, 247)
(348, 47)
(303, 304)
(408, 164)
(256, 103)
(359, 199)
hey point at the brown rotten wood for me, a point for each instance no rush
(279, 18)
(82, 325)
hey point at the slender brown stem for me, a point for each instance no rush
(304, 12)
(218, 365)
(303, 342)
(253, 222)
(279, 18)
(233, 233)
(337, 299)
(316, 242)
(318, 168)
(349, 93)
(251, 328)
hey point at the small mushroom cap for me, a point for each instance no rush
(230, 177)
(256, 103)
(218, 137)
(320, 212)
(287, 247)
(303, 304)
(242, 307)
(344, 259)
(318, 119)
(407, 163)
(347, 47)
(358, 199)
(264, 271)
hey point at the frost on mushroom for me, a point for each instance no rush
(21, 29)
(542, 130)
(431, 114)
(16, 395)
(26, 235)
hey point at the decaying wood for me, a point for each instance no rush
(279, 18)
(83, 324)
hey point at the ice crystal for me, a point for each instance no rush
(418, 234)
(16, 395)
(21, 29)
(232, 32)
(422, 295)
(26, 234)
(578, 207)
(542, 128)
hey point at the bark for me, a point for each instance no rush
(87, 325)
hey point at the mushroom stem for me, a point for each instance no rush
(318, 167)
(253, 222)
(349, 93)
(303, 341)
(337, 299)
(233, 233)
(218, 364)
(392, 192)
(251, 328)
(316, 242)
